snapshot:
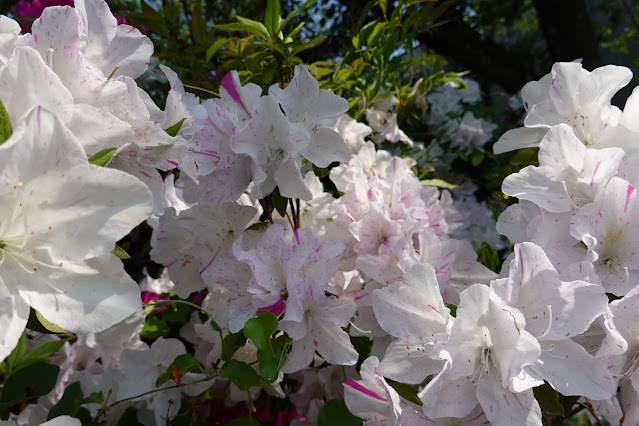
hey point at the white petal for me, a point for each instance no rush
(14, 314)
(80, 297)
(505, 408)
(572, 371)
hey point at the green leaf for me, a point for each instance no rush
(453, 308)
(129, 418)
(237, 26)
(270, 365)
(231, 344)
(488, 257)
(476, 158)
(548, 399)
(335, 413)
(32, 381)
(295, 13)
(243, 421)
(308, 45)
(407, 392)
(248, 25)
(5, 124)
(258, 226)
(260, 329)
(154, 327)
(525, 157)
(184, 363)
(375, 35)
(384, 6)
(69, 403)
(217, 45)
(49, 325)
(272, 16)
(17, 353)
(120, 253)
(174, 129)
(103, 157)
(198, 27)
(240, 373)
(164, 377)
(366, 31)
(42, 352)
(438, 183)
(363, 346)
(280, 203)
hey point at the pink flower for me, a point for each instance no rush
(147, 296)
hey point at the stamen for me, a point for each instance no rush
(51, 57)
(113, 72)
(544, 332)
(359, 329)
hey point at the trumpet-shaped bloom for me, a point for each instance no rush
(59, 221)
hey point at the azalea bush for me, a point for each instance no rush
(309, 243)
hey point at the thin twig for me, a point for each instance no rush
(158, 390)
(201, 88)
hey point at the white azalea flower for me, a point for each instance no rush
(59, 220)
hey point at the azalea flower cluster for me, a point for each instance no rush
(451, 120)
(247, 229)
(548, 318)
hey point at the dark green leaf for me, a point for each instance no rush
(231, 344)
(260, 329)
(247, 25)
(280, 203)
(33, 323)
(185, 363)
(30, 382)
(335, 413)
(488, 257)
(548, 399)
(270, 365)
(129, 418)
(407, 392)
(363, 345)
(17, 353)
(42, 352)
(69, 403)
(94, 398)
(296, 13)
(366, 31)
(198, 27)
(453, 309)
(476, 158)
(525, 157)
(84, 415)
(164, 377)
(185, 415)
(174, 129)
(217, 45)
(5, 124)
(258, 226)
(154, 327)
(103, 157)
(308, 45)
(272, 17)
(120, 253)
(375, 35)
(240, 373)
(243, 421)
